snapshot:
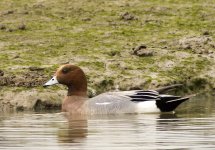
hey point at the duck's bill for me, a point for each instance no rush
(51, 82)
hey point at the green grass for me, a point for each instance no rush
(92, 34)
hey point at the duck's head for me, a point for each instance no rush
(70, 75)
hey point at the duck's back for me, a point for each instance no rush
(108, 103)
(116, 103)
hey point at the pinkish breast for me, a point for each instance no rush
(74, 105)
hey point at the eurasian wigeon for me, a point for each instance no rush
(134, 101)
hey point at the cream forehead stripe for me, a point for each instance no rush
(60, 68)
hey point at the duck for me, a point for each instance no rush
(113, 102)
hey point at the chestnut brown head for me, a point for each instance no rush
(70, 75)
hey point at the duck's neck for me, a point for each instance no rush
(77, 90)
(78, 85)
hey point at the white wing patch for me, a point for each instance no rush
(147, 107)
(104, 103)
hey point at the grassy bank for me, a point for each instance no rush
(130, 44)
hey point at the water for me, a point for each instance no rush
(193, 127)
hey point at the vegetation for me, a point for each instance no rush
(100, 36)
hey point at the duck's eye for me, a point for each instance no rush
(65, 70)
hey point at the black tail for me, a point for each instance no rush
(169, 102)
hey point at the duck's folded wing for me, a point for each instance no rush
(131, 96)
(121, 102)
(141, 95)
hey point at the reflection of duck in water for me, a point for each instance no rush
(75, 132)
(135, 101)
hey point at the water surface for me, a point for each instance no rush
(192, 127)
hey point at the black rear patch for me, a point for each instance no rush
(165, 103)
(169, 103)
